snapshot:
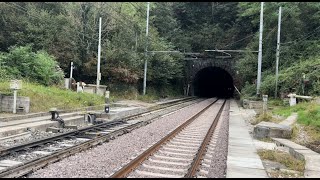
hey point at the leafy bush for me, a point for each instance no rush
(4, 70)
(22, 63)
(292, 78)
(4, 75)
(248, 90)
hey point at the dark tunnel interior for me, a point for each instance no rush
(213, 82)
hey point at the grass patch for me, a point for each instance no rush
(285, 174)
(130, 92)
(122, 91)
(42, 98)
(308, 113)
(150, 96)
(286, 111)
(155, 94)
(310, 116)
(276, 102)
(295, 132)
(312, 132)
(283, 158)
(267, 117)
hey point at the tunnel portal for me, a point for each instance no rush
(213, 82)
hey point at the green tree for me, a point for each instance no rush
(22, 62)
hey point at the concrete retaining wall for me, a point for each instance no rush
(269, 129)
(317, 100)
(6, 104)
(91, 88)
(67, 83)
(247, 104)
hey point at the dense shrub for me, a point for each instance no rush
(291, 79)
(22, 63)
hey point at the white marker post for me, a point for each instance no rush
(107, 96)
(265, 103)
(98, 64)
(15, 85)
(71, 71)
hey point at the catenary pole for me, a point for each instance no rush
(99, 51)
(260, 50)
(146, 54)
(278, 52)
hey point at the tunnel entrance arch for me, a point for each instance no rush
(213, 82)
(212, 73)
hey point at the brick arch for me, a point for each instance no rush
(194, 66)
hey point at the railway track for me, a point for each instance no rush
(180, 153)
(29, 157)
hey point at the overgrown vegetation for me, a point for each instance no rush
(267, 117)
(68, 31)
(308, 113)
(292, 78)
(43, 98)
(22, 63)
(299, 49)
(308, 119)
(283, 158)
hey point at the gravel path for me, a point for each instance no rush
(104, 160)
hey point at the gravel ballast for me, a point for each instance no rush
(104, 160)
(37, 134)
(37, 152)
(218, 163)
(34, 135)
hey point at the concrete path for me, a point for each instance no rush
(243, 160)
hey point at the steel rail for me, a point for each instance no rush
(196, 162)
(35, 143)
(27, 167)
(124, 171)
(35, 164)
(6, 151)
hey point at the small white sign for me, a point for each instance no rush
(107, 94)
(15, 84)
(265, 98)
